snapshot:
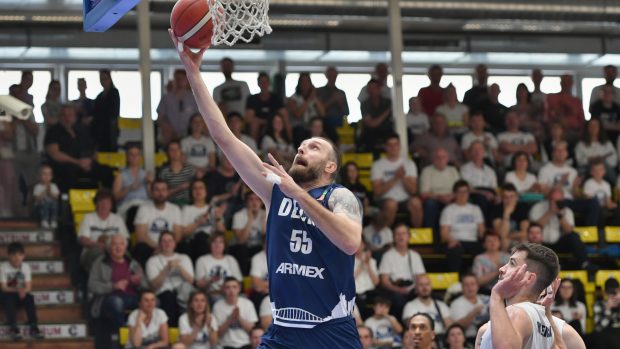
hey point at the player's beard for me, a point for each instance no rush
(301, 174)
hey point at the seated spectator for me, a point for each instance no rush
(456, 113)
(46, 195)
(420, 333)
(471, 310)
(558, 222)
(213, 268)
(378, 235)
(514, 140)
(477, 133)
(594, 146)
(249, 227)
(523, 181)
(377, 121)
(494, 112)
(235, 123)
(350, 179)
(597, 187)
(426, 303)
(572, 310)
(607, 110)
(607, 315)
(198, 327)
(462, 225)
(510, 217)
(171, 276)
(277, 143)
(266, 318)
(114, 281)
(198, 146)
(557, 134)
(176, 108)
(97, 227)
(399, 269)
(417, 119)
(148, 325)
(366, 338)
(201, 220)
(535, 233)
(482, 179)
(316, 128)
(455, 337)
(260, 278)
(261, 108)
(427, 144)
(395, 184)
(235, 315)
(436, 184)
(16, 287)
(223, 183)
(177, 174)
(486, 265)
(366, 279)
(131, 184)
(154, 217)
(385, 327)
(303, 106)
(256, 335)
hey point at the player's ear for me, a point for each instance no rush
(331, 167)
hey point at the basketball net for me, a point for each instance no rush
(238, 20)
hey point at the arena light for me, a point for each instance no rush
(74, 19)
(8, 18)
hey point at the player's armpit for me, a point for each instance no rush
(343, 201)
(481, 332)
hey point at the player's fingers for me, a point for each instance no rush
(274, 161)
(271, 168)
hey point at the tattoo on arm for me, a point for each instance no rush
(344, 201)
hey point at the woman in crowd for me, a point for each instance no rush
(456, 113)
(51, 107)
(455, 337)
(198, 327)
(572, 310)
(524, 108)
(366, 279)
(178, 174)
(486, 265)
(277, 143)
(350, 179)
(595, 146)
(198, 147)
(148, 325)
(523, 180)
(213, 268)
(131, 184)
(303, 106)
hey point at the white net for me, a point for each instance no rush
(238, 20)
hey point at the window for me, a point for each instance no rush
(40, 82)
(508, 86)
(413, 83)
(212, 80)
(587, 85)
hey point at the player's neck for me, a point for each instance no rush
(307, 186)
(520, 298)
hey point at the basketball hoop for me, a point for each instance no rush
(238, 20)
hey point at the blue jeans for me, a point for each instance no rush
(47, 210)
(114, 307)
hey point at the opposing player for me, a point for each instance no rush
(313, 229)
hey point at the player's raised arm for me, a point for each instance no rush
(244, 160)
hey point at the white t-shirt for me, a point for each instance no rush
(384, 170)
(567, 312)
(202, 338)
(463, 221)
(401, 267)
(454, 116)
(416, 306)
(236, 336)
(207, 267)
(190, 214)
(418, 123)
(40, 189)
(470, 137)
(461, 306)
(377, 239)
(551, 230)
(521, 185)
(584, 152)
(484, 177)
(551, 175)
(438, 182)
(381, 329)
(174, 280)
(158, 220)
(234, 94)
(197, 150)
(268, 143)
(15, 277)
(265, 307)
(515, 138)
(257, 228)
(93, 227)
(150, 332)
(594, 189)
(363, 282)
(259, 265)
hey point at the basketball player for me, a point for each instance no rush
(314, 227)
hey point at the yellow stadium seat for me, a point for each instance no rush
(247, 283)
(580, 275)
(81, 200)
(123, 335)
(160, 158)
(173, 335)
(112, 159)
(362, 160)
(441, 281)
(228, 236)
(127, 124)
(602, 276)
(590, 299)
(589, 235)
(612, 234)
(346, 135)
(420, 236)
(589, 325)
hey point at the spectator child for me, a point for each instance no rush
(417, 120)
(598, 187)
(46, 198)
(383, 325)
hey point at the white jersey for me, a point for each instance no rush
(542, 335)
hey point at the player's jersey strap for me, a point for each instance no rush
(310, 279)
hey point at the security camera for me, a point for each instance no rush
(10, 105)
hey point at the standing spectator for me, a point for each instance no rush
(594, 146)
(131, 184)
(417, 119)
(425, 303)
(176, 108)
(426, 145)
(198, 327)
(455, 337)
(25, 84)
(236, 316)
(212, 269)
(380, 75)
(303, 106)
(178, 174)
(385, 327)
(486, 265)
(366, 279)
(478, 94)
(610, 72)
(607, 315)
(350, 179)
(232, 94)
(148, 325)
(482, 179)
(377, 122)
(432, 96)
(565, 108)
(83, 105)
(334, 100)
(477, 133)
(198, 147)
(471, 310)
(171, 276)
(262, 107)
(395, 183)
(16, 287)
(538, 97)
(51, 108)
(249, 227)
(494, 112)
(462, 225)
(400, 269)
(106, 111)
(97, 227)
(46, 195)
(153, 218)
(514, 140)
(420, 333)
(530, 121)
(572, 310)
(456, 113)
(523, 180)
(607, 110)
(277, 142)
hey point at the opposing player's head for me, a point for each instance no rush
(542, 263)
(422, 326)
(316, 161)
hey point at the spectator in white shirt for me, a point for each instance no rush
(249, 227)
(260, 278)
(456, 113)
(523, 180)
(198, 327)
(131, 184)
(482, 180)
(477, 133)
(425, 303)
(395, 183)
(515, 140)
(378, 235)
(572, 310)
(417, 120)
(232, 94)
(462, 225)
(385, 327)
(595, 146)
(471, 310)
(213, 268)
(171, 276)
(198, 147)
(366, 279)
(148, 325)
(235, 315)
(597, 187)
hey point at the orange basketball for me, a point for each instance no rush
(190, 21)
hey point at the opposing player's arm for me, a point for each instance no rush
(571, 338)
(244, 160)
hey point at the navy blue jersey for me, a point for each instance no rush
(310, 279)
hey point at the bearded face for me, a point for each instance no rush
(303, 172)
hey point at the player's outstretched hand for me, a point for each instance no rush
(277, 174)
(191, 60)
(510, 284)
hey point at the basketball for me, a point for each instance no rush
(191, 23)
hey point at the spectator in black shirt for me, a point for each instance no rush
(350, 179)
(261, 108)
(83, 105)
(334, 100)
(493, 110)
(608, 111)
(106, 111)
(376, 121)
(478, 94)
(223, 183)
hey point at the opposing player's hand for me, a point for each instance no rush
(190, 60)
(287, 184)
(547, 299)
(512, 283)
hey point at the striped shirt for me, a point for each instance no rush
(174, 180)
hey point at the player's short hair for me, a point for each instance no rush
(334, 155)
(15, 247)
(542, 261)
(431, 322)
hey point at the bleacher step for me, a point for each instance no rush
(51, 331)
(37, 250)
(51, 314)
(51, 297)
(46, 266)
(86, 343)
(54, 281)
(26, 236)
